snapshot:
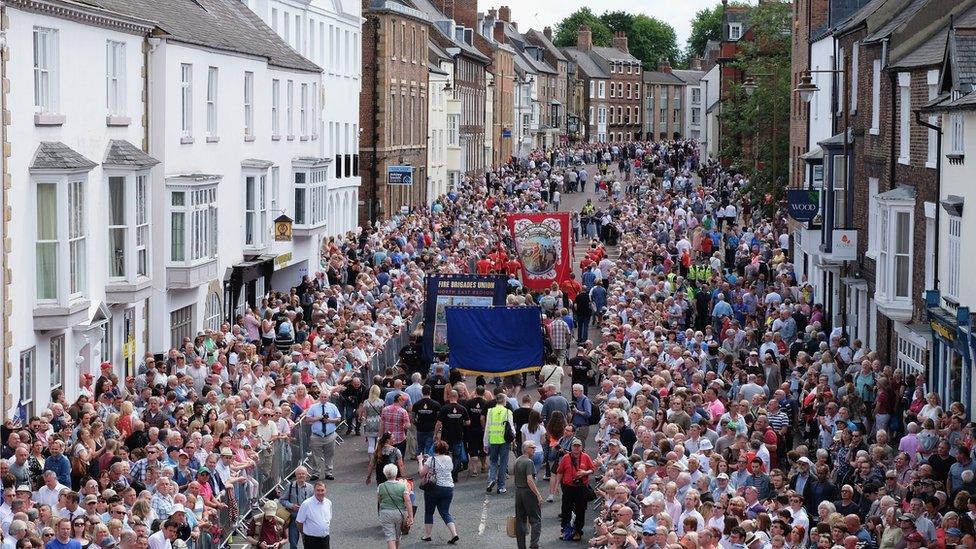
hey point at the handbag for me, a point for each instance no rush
(429, 480)
(510, 526)
(509, 433)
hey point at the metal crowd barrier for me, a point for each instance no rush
(276, 463)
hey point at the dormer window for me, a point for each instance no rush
(735, 31)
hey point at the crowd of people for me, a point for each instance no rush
(694, 394)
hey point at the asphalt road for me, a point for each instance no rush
(480, 517)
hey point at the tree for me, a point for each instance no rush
(618, 21)
(567, 28)
(756, 126)
(651, 39)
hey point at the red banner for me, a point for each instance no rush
(542, 242)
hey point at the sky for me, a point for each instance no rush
(538, 14)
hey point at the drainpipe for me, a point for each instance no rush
(374, 184)
(938, 188)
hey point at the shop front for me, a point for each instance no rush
(951, 374)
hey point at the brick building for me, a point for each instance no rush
(624, 93)
(663, 97)
(560, 97)
(393, 109)
(502, 68)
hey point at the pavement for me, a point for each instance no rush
(480, 517)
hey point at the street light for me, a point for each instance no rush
(806, 88)
(750, 86)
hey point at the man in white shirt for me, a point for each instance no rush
(163, 539)
(50, 493)
(315, 519)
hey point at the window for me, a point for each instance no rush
(954, 257)
(274, 19)
(637, 88)
(181, 321)
(193, 224)
(630, 91)
(840, 192)
(249, 104)
(603, 115)
(142, 225)
(288, 107)
(115, 77)
(904, 109)
(255, 210)
(695, 96)
(602, 90)
(956, 127)
(28, 359)
(275, 183)
(735, 31)
(57, 361)
(881, 274)
(902, 246)
(310, 197)
(930, 263)
(212, 318)
(894, 267)
(875, 96)
(838, 95)
(45, 70)
(613, 90)
(212, 102)
(592, 89)
(873, 228)
(453, 121)
(186, 100)
(696, 115)
(303, 110)
(855, 69)
(117, 228)
(275, 107)
(637, 118)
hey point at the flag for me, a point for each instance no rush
(542, 242)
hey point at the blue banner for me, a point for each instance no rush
(455, 291)
(495, 340)
(803, 204)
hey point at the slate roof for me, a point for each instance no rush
(540, 39)
(963, 51)
(927, 53)
(227, 25)
(613, 54)
(55, 155)
(434, 15)
(436, 54)
(122, 153)
(900, 18)
(901, 192)
(585, 63)
(690, 77)
(861, 15)
(661, 77)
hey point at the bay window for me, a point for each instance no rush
(311, 193)
(128, 226)
(61, 243)
(193, 223)
(895, 251)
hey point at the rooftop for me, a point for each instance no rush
(55, 155)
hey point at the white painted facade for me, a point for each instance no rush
(489, 148)
(437, 98)
(712, 107)
(327, 32)
(957, 254)
(821, 58)
(210, 169)
(61, 321)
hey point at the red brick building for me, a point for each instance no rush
(393, 106)
(624, 92)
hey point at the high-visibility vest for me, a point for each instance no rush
(497, 416)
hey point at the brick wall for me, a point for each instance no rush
(807, 14)
(387, 69)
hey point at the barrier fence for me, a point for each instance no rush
(275, 463)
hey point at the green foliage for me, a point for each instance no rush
(567, 28)
(707, 25)
(651, 39)
(648, 38)
(756, 127)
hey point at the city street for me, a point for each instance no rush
(480, 517)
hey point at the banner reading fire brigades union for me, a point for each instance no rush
(542, 241)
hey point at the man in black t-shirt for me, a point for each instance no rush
(581, 368)
(451, 421)
(425, 414)
(437, 382)
(477, 409)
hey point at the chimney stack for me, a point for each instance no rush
(584, 38)
(620, 41)
(498, 32)
(493, 14)
(505, 14)
(514, 25)
(664, 65)
(548, 32)
(696, 63)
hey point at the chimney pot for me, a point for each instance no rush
(493, 13)
(547, 32)
(664, 65)
(620, 41)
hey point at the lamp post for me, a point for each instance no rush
(806, 88)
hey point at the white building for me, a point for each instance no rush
(439, 85)
(327, 32)
(123, 252)
(711, 108)
(80, 200)
(694, 101)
